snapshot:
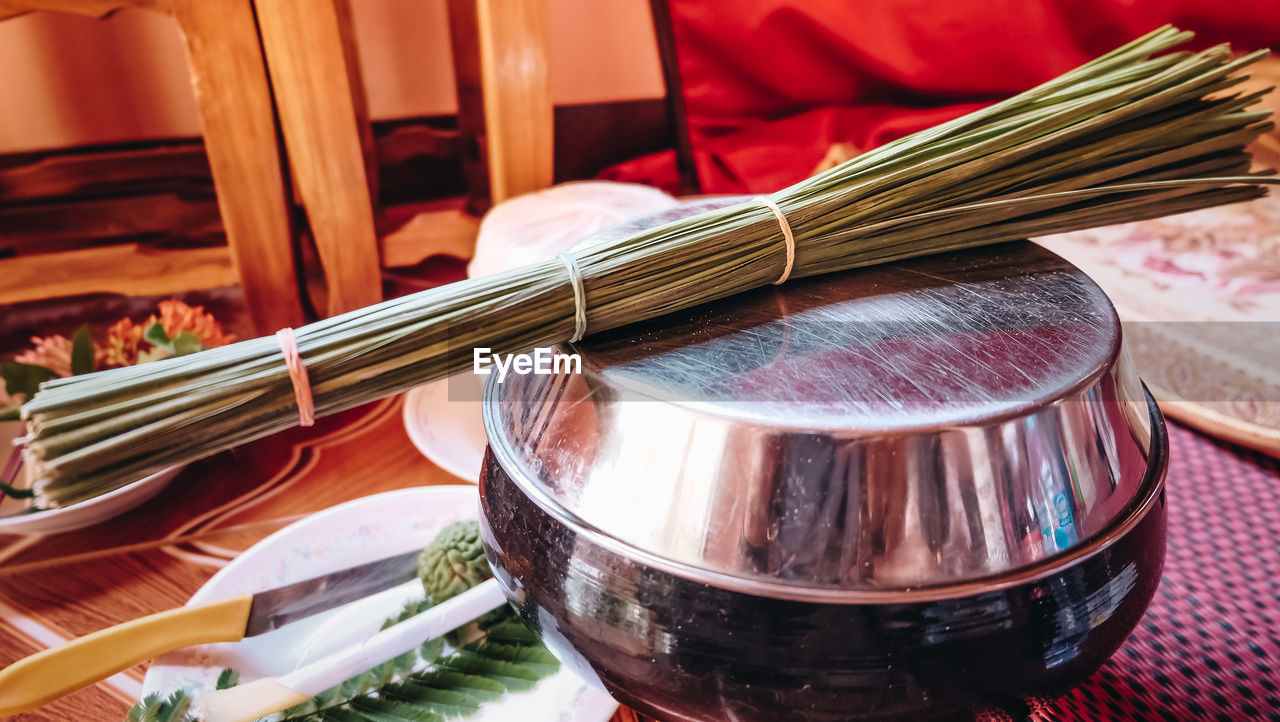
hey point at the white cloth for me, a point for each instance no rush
(536, 226)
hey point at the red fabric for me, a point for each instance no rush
(770, 85)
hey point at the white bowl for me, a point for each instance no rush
(442, 419)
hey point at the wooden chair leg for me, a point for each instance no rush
(501, 46)
(677, 119)
(234, 99)
(316, 85)
(359, 97)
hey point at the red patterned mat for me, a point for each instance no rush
(1209, 646)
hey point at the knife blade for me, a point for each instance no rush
(52, 673)
(277, 607)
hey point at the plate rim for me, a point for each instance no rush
(233, 566)
(32, 523)
(209, 588)
(413, 399)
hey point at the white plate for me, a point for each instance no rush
(76, 516)
(358, 531)
(85, 513)
(443, 421)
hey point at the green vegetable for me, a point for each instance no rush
(82, 351)
(506, 658)
(453, 563)
(492, 656)
(24, 379)
(164, 347)
(457, 685)
(159, 708)
(1138, 133)
(228, 679)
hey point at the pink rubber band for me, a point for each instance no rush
(297, 376)
(786, 234)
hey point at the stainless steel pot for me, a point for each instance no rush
(900, 490)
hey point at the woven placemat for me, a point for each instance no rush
(1209, 645)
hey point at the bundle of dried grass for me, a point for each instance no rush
(1134, 134)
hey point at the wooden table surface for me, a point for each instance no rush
(56, 587)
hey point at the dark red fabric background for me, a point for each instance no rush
(770, 85)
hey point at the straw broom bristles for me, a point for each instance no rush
(1133, 134)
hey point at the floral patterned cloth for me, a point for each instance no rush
(1200, 297)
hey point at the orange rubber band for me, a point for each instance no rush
(787, 236)
(297, 376)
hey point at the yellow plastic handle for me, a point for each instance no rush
(48, 675)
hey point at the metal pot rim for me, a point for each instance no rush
(1151, 490)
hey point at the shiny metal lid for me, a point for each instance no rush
(909, 425)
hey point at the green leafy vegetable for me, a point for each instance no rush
(24, 379)
(182, 344)
(453, 563)
(159, 708)
(82, 351)
(228, 679)
(500, 656)
(457, 685)
(15, 492)
(1138, 133)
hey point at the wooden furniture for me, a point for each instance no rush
(234, 100)
(504, 95)
(328, 141)
(505, 118)
(278, 85)
(153, 558)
